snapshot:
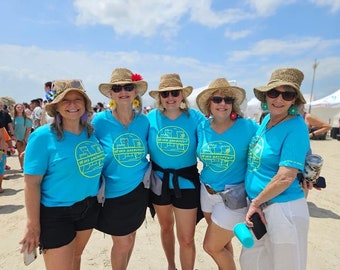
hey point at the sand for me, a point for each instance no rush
(323, 243)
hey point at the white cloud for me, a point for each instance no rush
(268, 7)
(150, 17)
(333, 4)
(287, 46)
(236, 35)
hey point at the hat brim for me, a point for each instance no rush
(105, 88)
(51, 106)
(260, 91)
(186, 91)
(238, 93)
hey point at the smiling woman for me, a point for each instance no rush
(60, 159)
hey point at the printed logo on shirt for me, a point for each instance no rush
(173, 141)
(255, 153)
(90, 158)
(128, 149)
(218, 155)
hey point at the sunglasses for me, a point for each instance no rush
(174, 93)
(287, 96)
(218, 100)
(127, 87)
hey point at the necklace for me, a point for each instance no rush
(266, 129)
(278, 122)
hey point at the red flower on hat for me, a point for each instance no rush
(136, 77)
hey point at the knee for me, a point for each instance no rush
(186, 241)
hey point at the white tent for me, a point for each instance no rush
(327, 108)
(253, 110)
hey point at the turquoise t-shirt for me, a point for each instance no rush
(20, 124)
(125, 152)
(71, 167)
(283, 145)
(172, 143)
(224, 156)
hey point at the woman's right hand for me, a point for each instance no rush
(31, 238)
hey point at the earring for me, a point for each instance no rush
(112, 104)
(135, 104)
(59, 118)
(233, 115)
(183, 105)
(84, 117)
(293, 110)
(264, 106)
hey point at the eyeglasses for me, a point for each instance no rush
(174, 93)
(218, 100)
(287, 96)
(127, 87)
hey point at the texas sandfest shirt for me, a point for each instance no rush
(283, 145)
(71, 167)
(172, 143)
(224, 156)
(125, 150)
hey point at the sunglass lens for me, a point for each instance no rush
(116, 88)
(216, 100)
(175, 93)
(164, 94)
(129, 87)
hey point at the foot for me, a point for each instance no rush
(7, 167)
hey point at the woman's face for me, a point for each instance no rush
(171, 100)
(279, 100)
(221, 104)
(19, 108)
(123, 93)
(72, 106)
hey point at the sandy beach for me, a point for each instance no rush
(323, 244)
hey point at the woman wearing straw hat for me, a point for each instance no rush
(63, 164)
(123, 131)
(223, 142)
(276, 154)
(172, 144)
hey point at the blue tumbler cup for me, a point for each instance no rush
(243, 234)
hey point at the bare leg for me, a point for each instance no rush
(60, 258)
(216, 238)
(80, 242)
(185, 227)
(166, 220)
(121, 250)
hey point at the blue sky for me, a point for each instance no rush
(201, 40)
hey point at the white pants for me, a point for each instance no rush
(284, 246)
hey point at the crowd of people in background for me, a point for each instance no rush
(139, 157)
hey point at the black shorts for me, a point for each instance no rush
(190, 199)
(125, 214)
(60, 224)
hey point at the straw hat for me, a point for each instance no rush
(60, 88)
(170, 82)
(280, 77)
(123, 76)
(235, 92)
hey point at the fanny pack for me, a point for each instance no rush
(234, 197)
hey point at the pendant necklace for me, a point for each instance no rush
(267, 128)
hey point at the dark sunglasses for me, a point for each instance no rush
(174, 93)
(218, 100)
(127, 87)
(287, 96)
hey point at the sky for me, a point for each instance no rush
(201, 40)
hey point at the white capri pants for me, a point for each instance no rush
(284, 246)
